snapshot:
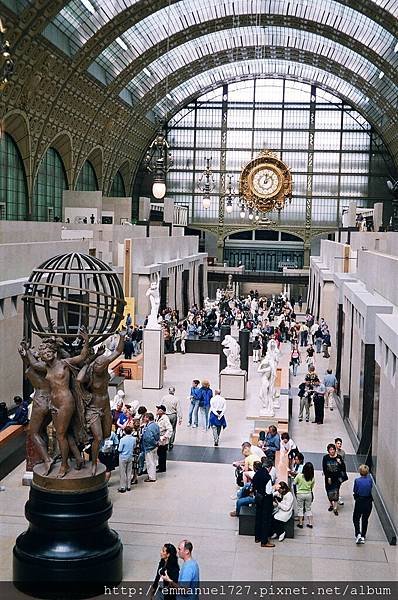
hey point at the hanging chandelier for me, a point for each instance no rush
(206, 183)
(7, 63)
(159, 161)
(229, 195)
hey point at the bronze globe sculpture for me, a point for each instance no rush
(73, 302)
(73, 291)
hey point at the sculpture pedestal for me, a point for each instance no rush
(68, 549)
(233, 385)
(153, 364)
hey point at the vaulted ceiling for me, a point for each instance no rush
(158, 54)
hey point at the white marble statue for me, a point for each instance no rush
(273, 354)
(253, 306)
(231, 350)
(266, 395)
(218, 295)
(154, 298)
(207, 304)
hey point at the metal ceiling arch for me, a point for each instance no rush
(37, 15)
(264, 39)
(202, 65)
(280, 69)
(135, 40)
(151, 56)
(138, 66)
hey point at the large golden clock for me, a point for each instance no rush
(265, 182)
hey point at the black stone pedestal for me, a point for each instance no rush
(69, 549)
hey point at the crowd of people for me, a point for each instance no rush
(276, 501)
(139, 441)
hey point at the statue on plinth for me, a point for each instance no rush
(273, 354)
(154, 298)
(231, 350)
(266, 395)
(73, 304)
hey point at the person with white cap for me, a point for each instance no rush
(173, 411)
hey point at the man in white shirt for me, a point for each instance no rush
(217, 419)
(173, 411)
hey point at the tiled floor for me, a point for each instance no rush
(194, 498)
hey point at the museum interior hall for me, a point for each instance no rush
(199, 290)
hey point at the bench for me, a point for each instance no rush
(247, 517)
(12, 448)
(130, 368)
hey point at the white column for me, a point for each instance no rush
(196, 283)
(142, 302)
(190, 285)
(205, 286)
(179, 290)
(172, 288)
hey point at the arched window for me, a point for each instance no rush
(118, 190)
(87, 180)
(50, 183)
(13, 188)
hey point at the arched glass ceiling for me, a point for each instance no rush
(258, 37)
(237, 71)
(79, 23)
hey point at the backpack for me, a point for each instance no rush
(239, 476)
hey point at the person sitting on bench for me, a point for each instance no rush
(283, 502)
(20, 416)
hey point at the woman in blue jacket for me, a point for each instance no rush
(206, 395)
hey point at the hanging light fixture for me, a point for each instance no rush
(251, 214)
(229, 195)
(206, 184)
(242, 212)
(7, 64)
(159, 161)
(257, 216)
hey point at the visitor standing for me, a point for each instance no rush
(304, 484)
(256, 349)
(126, 449)
(206, 393)
(165, 431)
(262, 488)
(295, 359)
(168, 564)
(330, 383)
(195, 395)
(173, 411)
(333, 468)
(150, 441)
(217, 420)
(319, 402)
(363, 503)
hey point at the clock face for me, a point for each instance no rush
(265, 182)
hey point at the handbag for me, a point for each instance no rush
(239, 476)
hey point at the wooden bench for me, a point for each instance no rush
(12, 448)
(129, 368)
(247, 518)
